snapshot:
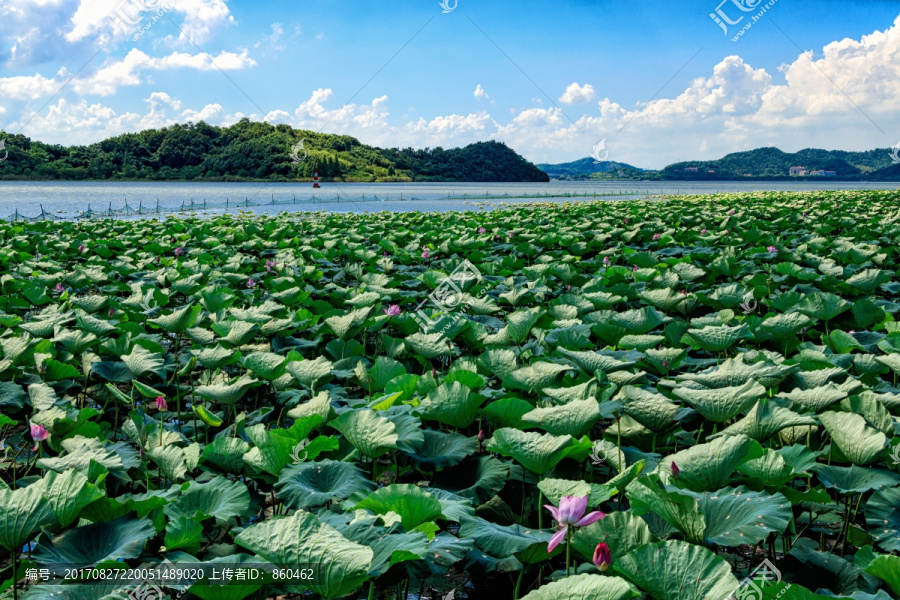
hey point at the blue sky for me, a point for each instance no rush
(658, 81)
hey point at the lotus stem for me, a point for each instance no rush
(519, 583)
(568, 550)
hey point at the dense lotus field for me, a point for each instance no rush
(682, 399)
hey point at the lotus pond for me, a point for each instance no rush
(684, 399)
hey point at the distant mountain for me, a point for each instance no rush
(774, 163)
(762, 163)
(584, 167)
(252, 151)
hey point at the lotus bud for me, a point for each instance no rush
(675, 470)
(602, 557)
(161, 404)
(481, 436)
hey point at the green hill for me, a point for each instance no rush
(249, 151)
(774, 163)
(587, 168)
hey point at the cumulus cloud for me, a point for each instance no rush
(576, 94)
(126, 72)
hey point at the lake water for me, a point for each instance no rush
(68, 199)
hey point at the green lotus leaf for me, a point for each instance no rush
(440, 450)
(452, 404)
(383, 371)
(575, 418)
(734, 372)
(855, 479)
(179, 320)
(717, 339)
(765, 420)
(679, 510)
(537, 453)
(737, 516)
(265, 365)
(555, 489)
(226, 454)
(823, 306)
(708, 467)
(786, 324)
(500, 541)
(171, 460)
(414, 505)
(141, 362)
(722, 404)
(478, 478)
(591, 362)
(519, 323)
(771, 469)
(218, 357)
(310, 372)
(313, 484)
(95, 543)
(653, 411)
(534, 377)
(622, 532)
(301, 540)
(206, 416)
(429, 346)
(583, 587)
(676, 570)
(391, 546)
(640, 320)
(183, 533)
(218, 498)
(367, 431)
(25, 512)
(887, 568)
(861, 444)
(883, 518)
(498, 362)
(230, 393)
(815, 399)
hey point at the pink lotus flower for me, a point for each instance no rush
(179, 251)
(392, 311)
(655, 236)
(606, 260)
(684, 292)
(60, 288)
(251, 284)
(771, 249)
(81, 248)
(703, 232)
(367, 239)
(384, 253)
(570, 514)
(731, 212)
(481, 230)
(509, 235)
(161, 404)
(602, 557)
(726, 231)
(633, 269)
(269, 265)
(626, 221)
(38, 433)
(675, 470)
(852, 331)
(425, 253)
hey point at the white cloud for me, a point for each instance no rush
(126, 72)
(480, 94)
(737, 106)
(576, 94)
